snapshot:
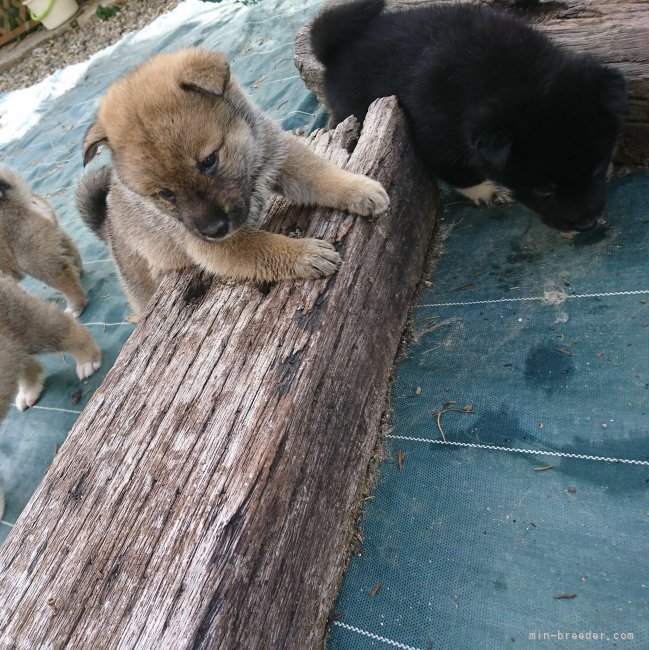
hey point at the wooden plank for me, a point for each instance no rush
(614, 31)
(206, 496)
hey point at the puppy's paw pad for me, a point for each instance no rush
(317, 259)
(367, 198)
(28, 395)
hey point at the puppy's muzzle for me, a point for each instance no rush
(214, 224)
(589, 222)
(217, 229)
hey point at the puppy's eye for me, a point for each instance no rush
(166, 194)
(209, 164)
(545, 191)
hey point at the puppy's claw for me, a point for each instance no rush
(317, 259)
(367, 198)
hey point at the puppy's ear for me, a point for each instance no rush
(94, 138)
(207, 73)
(494, 148)
(614, 93)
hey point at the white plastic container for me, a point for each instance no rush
(52, 13)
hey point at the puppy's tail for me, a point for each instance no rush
(92, 194)
(339, 24)
(6, 182)
(13, 188)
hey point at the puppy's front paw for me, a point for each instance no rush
(366, 197)
(501, 196)
(316, 259)
(487, 193)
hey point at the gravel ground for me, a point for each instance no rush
(80, 42)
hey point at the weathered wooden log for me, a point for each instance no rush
(614, 31)
(206, 496)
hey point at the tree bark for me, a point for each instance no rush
(616, 32)
(206, 496)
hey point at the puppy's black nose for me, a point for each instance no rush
(216, 229)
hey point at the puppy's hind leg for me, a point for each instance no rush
(8, 264)
(53, 331)
(308, 179)
(83, 348)
(71, 251)
(135, 274)
(62, 274)
(10, 363)
(31, 381)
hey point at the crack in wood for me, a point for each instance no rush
(76, 491)
(197, 289)
(266, 287)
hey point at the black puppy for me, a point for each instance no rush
(496, 108)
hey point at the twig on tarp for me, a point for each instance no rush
(438, 414)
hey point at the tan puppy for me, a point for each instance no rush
(28, 325)
(33, 243)
(194, 162)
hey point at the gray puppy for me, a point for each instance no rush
(28, 325)
(33, 243)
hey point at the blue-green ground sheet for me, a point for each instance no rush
(538, 345)
(542, 490)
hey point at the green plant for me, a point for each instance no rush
(106, 12)
(10, 18)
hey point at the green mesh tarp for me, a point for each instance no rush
(529, 523)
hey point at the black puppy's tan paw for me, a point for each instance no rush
(316, 259)
(366, 197)
(487, 193)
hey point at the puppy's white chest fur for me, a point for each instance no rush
(487, 193)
